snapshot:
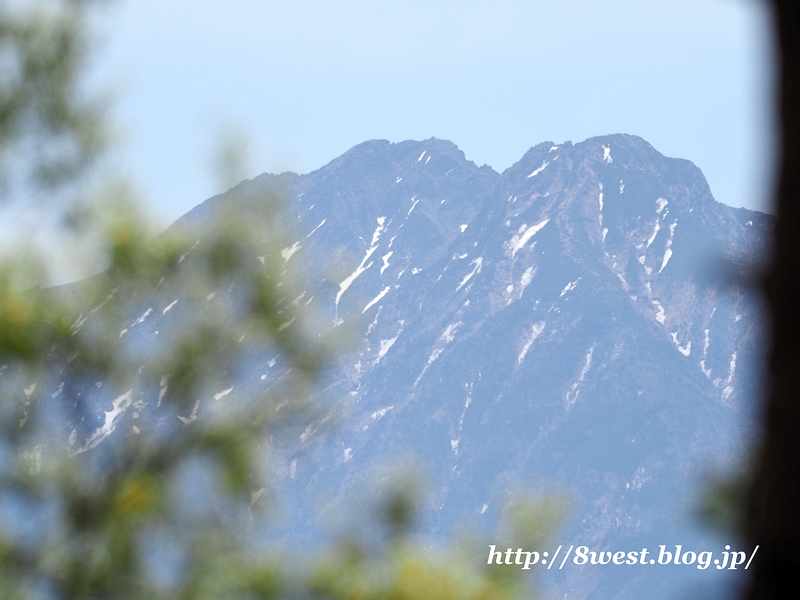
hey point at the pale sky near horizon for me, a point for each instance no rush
(306, 80)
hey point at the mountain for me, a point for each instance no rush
(581, 322)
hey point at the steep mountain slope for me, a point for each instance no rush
(579, 322)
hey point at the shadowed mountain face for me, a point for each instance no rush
(577, 323)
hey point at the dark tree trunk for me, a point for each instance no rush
(773, 511)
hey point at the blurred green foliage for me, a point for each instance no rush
(722, 506)
(406, 569)
(159, 501)
(102, 498)
(49, 131)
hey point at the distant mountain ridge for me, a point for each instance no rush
(579, 322)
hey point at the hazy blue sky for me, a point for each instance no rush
(306, 80)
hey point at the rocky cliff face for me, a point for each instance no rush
(579, 322)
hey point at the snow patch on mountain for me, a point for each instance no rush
(652, 237)
(569, 287)
(169, 307)
(223, 393)
(413, 206)
(348, 281)
(540, 169)
(526, 279)
(478, 262)
(575, 390)
(536, 330)
(379, 414)
(661, 315)
(287, 253)
(447, 336)
(523, 236)
(376, 299)
(686, 349)
(119, 405)
(385, 258)
(386, 344)
(192, 416)
(728, 390)
(706, 342)
(600, 200)
(668, 250)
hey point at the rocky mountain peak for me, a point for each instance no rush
(553, 326)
